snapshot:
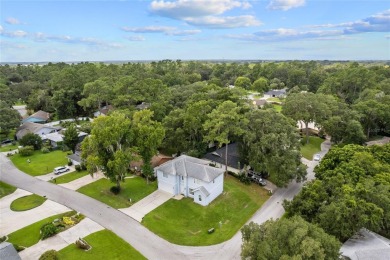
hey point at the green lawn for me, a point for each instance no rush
(313, 147)
(41, 163)
(134, 188)
(274, 99)
(8, 148)
(27, 202)
(184, 222)
(30, 235)
(6, 189)
(278, 108)
(69, 177)
(105, 245)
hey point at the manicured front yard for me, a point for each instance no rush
(184, 222)
(7, 148)
(69, 177)
(105, 245)
(133, 188)
(27, 202)
(30, 235)
(278, 108)
(313, 147)
(6, 189)
(40, 163)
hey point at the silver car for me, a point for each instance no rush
(317, 157)
(60, 169)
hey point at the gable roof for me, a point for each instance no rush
(192, 167)
(233, 156)
(8, 252)
(39, 116)
(260, 102)
(30, 127)
(276, 92)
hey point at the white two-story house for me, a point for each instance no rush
(190, 177)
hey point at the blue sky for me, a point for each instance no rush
(70, 30)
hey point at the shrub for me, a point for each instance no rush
(77, 167)
(83, 166)
(26, 151)
(2, 239)
(115, 189)
(18, 248)
(48, 230)
(70, 163)
(49, 255)
(244, 179)
(31, 139)
(68, 221)
(45, 150)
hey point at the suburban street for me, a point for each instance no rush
(146, 242)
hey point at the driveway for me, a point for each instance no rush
(146, 242)
(146, 205)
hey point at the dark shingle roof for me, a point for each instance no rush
(233, 156)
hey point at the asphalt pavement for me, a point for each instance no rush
(146, 242)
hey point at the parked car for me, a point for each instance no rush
(60, 169)
(317, 157)
(257, 179)
(6, 141)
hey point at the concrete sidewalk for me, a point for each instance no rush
(61, 240)
(146, 205)
(80, 182)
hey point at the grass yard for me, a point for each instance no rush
(134, 188)
(6, 189)
(27, 202)
(184, 222)
(30, 235)
(278, 108)
(7, 148)
(313, 147)
(274, 99)
(41, 163)
(105, 245)
(69, 177)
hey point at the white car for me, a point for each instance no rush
(317, 157)
(60, 169)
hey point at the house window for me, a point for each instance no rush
(182, 178)
(191, 191)
(200, 198)
(165, 175)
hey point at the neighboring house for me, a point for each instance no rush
(75, 158)
(39, 117)
(35, 128)
(366, 245)
(8, 252)
(103, 111)
(57, 138)
(233, 161)
(259, 103)
(156, 160)
(143, 106)
(191, 177)
(278, 93)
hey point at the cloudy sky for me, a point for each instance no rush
(98, 30)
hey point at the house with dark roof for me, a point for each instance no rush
(233, 157)
(35, 128)
(259, 103)
(156, 161)
(39, 117)
(190, 177)
(103, 111)
(278, 93)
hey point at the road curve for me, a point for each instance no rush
(146, 242)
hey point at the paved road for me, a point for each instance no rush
(149, 244)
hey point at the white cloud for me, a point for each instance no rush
(149, 29)
(195, 8)
(224, 22)
(11, 20)
(205, 13)
(184, 32)
(13, 34)
(135, 38)
(285, 4)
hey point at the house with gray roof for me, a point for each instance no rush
(278, 93)
(190, 177)
(39, 129)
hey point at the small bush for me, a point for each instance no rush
(49, 255)
(115, 189)
(45, 150)
(70, 163)
(2, 239)
(77, 167)
(26, 151)
(68, 221)
(244, 179)
(48, 230)
(83, 166)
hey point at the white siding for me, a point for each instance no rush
(167, 182)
